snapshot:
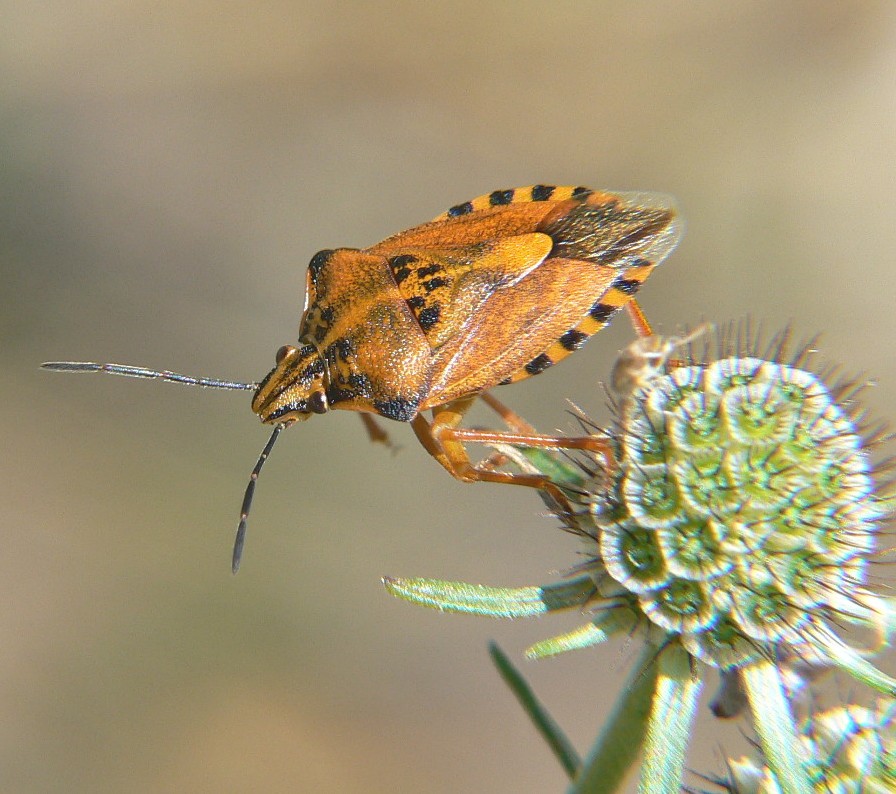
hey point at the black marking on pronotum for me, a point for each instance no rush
(314, 370)
(398, 408)
(318, 261)
(602, 312)
(327, 314)
(361, 383)
(573, 339)
(499, 197)
(461, 209)
(538, 364)
(542, 192)
(627, 286)
(341, 348)
(429, 316)
(339, 394)
(416, 301)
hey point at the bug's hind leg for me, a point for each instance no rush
(444, 440)
(638, 318)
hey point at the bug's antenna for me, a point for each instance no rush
(140, 372)
(247, 499)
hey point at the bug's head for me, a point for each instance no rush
(294, 389)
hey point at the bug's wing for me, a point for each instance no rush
(481, 224)
(517, 325)
(446, 288)
(603, 249)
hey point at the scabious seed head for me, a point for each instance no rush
(741, 509)
(733, 512)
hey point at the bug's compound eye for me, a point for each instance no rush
(317, 402)
(283, 352)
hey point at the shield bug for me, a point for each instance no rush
(490, 292)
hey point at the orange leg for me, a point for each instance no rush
(639, 321)
(444, 440)
(375, 431)
(512, 419)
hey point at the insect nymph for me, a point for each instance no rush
(490, 292)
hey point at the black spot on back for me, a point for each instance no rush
(573, 339)
(626, 286)
(416, 301)
(435, 283)
(402, 260)
(431, 270)
(582, 192)
(429, 316)
(400, 266)
(538, 364)
(499, 197)
(461, 209)
(542, 192)
(602, 312)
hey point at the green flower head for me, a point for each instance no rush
(731, 519)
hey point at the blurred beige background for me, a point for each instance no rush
(167, 172)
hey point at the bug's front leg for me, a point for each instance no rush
(376, 433)
(444, 440)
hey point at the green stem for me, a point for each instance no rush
(773, 721)
(544, 723)
(671, 716)
(619, 743)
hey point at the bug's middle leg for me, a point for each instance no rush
(444, 440)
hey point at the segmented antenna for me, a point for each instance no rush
(247, 499)
(141, 372)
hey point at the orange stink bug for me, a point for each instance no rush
(490, 292)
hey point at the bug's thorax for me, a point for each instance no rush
(295, 388)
